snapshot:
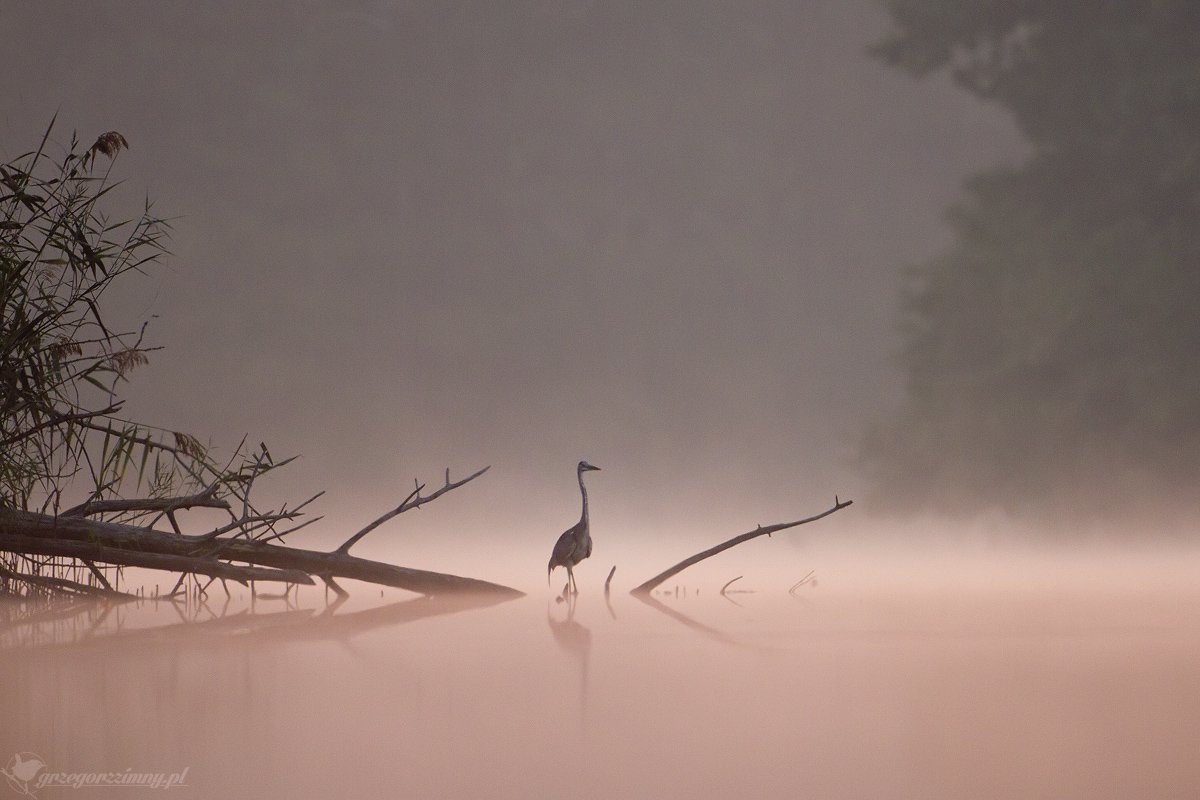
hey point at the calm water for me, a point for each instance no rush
(1064, 684)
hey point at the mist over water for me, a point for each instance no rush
(676, 240)
(412, 236)
(1064, 676)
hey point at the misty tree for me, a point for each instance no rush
(1050, 352)
(85, 490)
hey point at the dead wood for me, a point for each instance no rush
(51, 546)
(414, 500)
(808, 580)
(207, 498)
(725, 588)
(138, 546)
(648, 586)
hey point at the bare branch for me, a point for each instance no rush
(91, 565)
(649, 585)
(247, 524)
(206, 498)
(280, 534)
(337, 589)
(414, 500)
(178, 584)
(807, 580)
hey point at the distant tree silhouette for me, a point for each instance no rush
(1051, 351)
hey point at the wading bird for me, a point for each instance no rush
(575, 544)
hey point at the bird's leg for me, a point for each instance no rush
(571, 581)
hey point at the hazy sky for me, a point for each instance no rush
(665, 237)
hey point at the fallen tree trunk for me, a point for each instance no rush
(52, 546)
(341, 565)
(132, 545)
(649, 586)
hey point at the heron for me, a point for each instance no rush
(575, 543)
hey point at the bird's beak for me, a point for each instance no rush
(597, 469)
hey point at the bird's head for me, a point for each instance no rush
(586, 467)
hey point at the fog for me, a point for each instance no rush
(669, 239)
(707, 248)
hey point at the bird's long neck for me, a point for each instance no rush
(583, 491)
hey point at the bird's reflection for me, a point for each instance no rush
(576, 641)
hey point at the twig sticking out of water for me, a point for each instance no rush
(726, 591)
(807, 580)
(607, 598)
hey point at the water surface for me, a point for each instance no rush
(1056, 686)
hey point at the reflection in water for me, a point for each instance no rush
(684, 619)
(576, 641)
(984, 690)
(88, 623)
